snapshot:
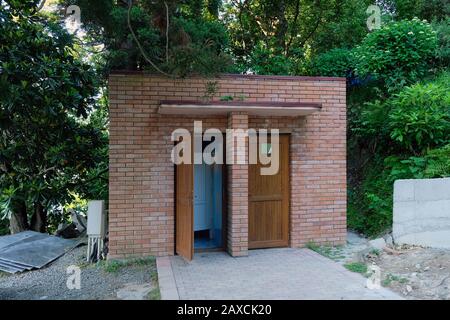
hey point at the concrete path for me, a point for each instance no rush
(272, 274)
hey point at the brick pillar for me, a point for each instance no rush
(237, 239)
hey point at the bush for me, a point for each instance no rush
(435, 164)
(398, 54)
(443, 50)
(413, 121)
(370, 203)
(333, 63)
(419, 118)
(409, 134)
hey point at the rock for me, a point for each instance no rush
(408, 288)
(389, 240)
(379, 243)
(67, 231)
(361, 256)
(355, 239)
(134, 291)
(78, 220)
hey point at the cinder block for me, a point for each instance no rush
(425, 219)
(403, 190)
(432, 189)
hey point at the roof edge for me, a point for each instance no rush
(243, 103)
(239, 76)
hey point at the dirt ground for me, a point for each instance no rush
(416, 273)
(411, 271)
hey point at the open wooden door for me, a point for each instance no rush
(185, 211)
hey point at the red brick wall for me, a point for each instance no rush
(141, 206)
(237, 242)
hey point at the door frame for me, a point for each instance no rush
(286, 208)
(224, 246)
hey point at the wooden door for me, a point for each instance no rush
(269, 203)
(185, 211)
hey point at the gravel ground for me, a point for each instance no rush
(98, 282)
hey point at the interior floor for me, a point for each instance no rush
(202, 240)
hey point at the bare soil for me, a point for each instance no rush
(416, 273)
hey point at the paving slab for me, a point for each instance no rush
(269, 274)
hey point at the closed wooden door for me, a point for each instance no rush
(184, 244)
(269, 203)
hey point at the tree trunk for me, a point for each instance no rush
(39, 219)
(283, 26)
(19, 219)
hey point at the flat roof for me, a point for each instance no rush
(260, 108)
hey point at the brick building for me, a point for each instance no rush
(157, 208)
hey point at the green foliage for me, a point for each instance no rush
(346, 29)
(398, 54)
(423, 9)
(47, 144)
(390, 278)
(333, 63)
(405, 137)
(196, 40)
(413, 120)
(4, 227)
(419, 118)
(114, 266)
(204, 53)
(266, 62)
(288, 33)
(434, 164)
(443, 51)
(357, 267)
(333, 253)
(370, 202)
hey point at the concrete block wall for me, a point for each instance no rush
(142, 207)
(422, 212)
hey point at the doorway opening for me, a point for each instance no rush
(200, 210)
(208, 207)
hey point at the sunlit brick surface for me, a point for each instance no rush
(141, 206)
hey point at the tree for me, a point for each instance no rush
(290, 32)
(175, 37)
(47, 144)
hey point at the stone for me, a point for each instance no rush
(133, 291)
(389, 240)
(378, 244)
(78, 220)
(67, 231)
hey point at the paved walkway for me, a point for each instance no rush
(278, 274)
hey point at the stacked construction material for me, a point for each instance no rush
(31, 250)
